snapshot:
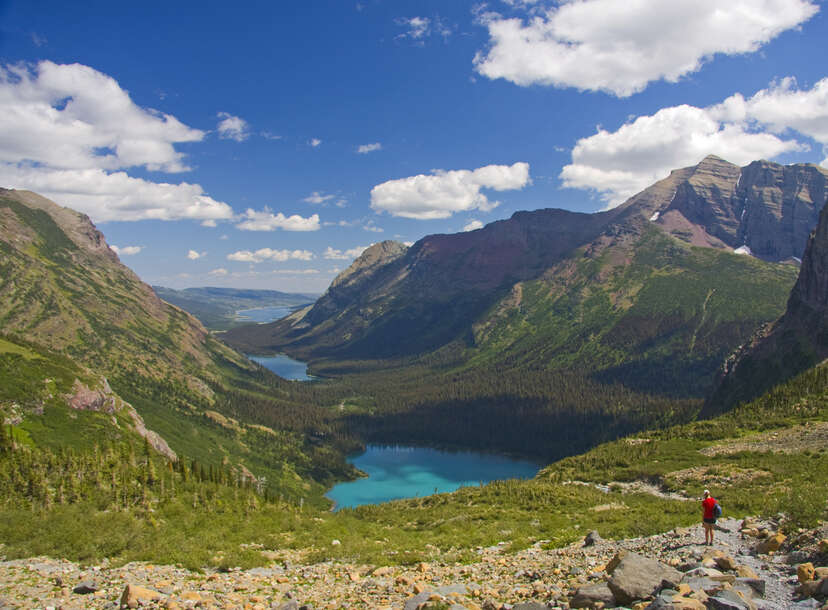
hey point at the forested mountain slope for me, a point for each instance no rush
(649, 294)
(83, 337)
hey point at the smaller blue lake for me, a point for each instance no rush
(263, 314)
(283, 366)
(408, 472)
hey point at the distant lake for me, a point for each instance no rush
(263, 314)
(408, 472)
(284, 366)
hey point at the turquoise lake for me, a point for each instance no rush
(263, 314)
(407, 472)
(283, 366)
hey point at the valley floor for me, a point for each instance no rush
(495, 580)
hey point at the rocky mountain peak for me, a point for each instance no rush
(764, 209)
(376, 256)
(77, 227)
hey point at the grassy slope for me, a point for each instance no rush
(519, 513)
(656, 315)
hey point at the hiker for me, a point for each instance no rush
(709, 505)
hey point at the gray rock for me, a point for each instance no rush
(756, 584)
(807, 604)
(662, 602)
(637, 577)
(291, 605)
(592, 538)
(86, 587)
(530, 606)
(587, 597)
(700, 572)
(728, 600)
(412, 602)
(449, 589)
(708, 585)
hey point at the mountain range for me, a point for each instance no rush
(654, 293)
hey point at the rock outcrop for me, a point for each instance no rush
(764, 209)
(794, 343)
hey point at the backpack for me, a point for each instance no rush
(717, 510)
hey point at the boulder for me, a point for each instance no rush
(636, 577)
(412, 603)
(729, 600)
(770, 544)
(86, 588)
(823, 545)
(705, 584)
(134, 595)
(756, 584)
(529, 606)
(725, 562)
(592, 538)
(675, 602)
(745, 572)
(592, 595)
(700, 573)
(805, 572)
(813, 588)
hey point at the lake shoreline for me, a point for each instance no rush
(399, 471)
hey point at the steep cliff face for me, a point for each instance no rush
(794, 343)
(765, 209)
(809, 298)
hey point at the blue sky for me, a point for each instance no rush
(264, 144)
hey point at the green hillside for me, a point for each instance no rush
(71, 314)
(763, 458)
(654, 314)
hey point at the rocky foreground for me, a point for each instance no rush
(751, 566)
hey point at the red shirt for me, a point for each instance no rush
(707, 504)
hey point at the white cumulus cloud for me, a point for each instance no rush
(126, 250)
(473, 225)
(619, 163)
(364, 149)
(194, 255)
(443, 193)
(620, 46)
(783, 106)
(314, 142)
(220, 271)
(266, 220)
(350, 254)
(107, 196)
(70, 132)
(232, 127)
(266, 254)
